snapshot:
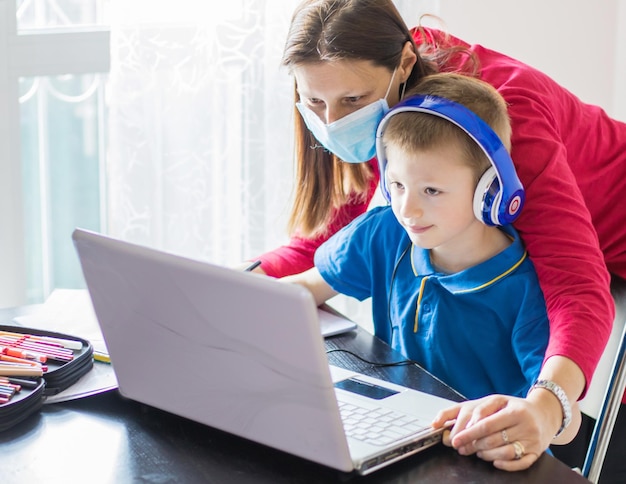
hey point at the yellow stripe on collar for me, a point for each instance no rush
(497, 278)
(419, 303)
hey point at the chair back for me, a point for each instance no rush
(613, 380)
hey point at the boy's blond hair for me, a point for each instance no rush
(414, 131)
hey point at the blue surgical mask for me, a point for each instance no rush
(353, 137)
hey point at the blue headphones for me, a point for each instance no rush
(499, 194)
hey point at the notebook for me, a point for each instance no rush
(332, 324)
(243, 353)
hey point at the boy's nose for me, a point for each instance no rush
(411, 210)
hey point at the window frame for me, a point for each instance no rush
(27, 54)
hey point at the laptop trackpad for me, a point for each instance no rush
(366, 389)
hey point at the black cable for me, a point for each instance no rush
(374, 363)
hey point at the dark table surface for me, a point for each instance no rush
(109, 439)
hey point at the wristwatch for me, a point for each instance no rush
(559, 393)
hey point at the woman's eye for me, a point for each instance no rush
(353, 99)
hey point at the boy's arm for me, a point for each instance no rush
(314, 282)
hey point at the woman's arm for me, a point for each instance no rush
(488, 427)
(556, 225)
(292, 258)
(568, 376)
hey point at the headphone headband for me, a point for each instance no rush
(498, 205)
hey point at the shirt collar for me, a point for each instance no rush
(476, 277)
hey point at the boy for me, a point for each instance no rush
(451, 288)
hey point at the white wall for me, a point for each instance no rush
(579, 43)
(619, 97)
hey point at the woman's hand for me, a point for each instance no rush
(513, 432)
(509, 431)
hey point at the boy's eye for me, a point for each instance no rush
(431, 191)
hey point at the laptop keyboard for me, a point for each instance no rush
(377, 426)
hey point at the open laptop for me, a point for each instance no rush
(243, 353)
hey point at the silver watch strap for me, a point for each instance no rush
(559, 393)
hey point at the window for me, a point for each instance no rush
(62, 134)
(166, 124)
(34, 15)
(54, 60)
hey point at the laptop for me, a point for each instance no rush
(243, 353)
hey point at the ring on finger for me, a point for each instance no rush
(505, 437)
(519, 449)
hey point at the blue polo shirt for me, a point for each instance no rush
(483, 330)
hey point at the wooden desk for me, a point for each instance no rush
(109, 439)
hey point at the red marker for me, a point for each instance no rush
(27, 355)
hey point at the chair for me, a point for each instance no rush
(614, 382)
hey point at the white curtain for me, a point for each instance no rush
(200, 155)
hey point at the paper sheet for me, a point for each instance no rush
(333, 323)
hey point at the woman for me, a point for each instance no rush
(357, 56)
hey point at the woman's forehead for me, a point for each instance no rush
(339, 77)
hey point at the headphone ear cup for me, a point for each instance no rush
(487, 197)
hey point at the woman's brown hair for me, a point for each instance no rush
(328, 30)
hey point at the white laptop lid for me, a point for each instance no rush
(238, 351)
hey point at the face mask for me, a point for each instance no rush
(353, 137)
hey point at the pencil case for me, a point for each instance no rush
(59, 376)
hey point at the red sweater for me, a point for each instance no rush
(571, 159)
